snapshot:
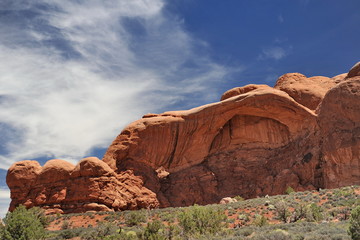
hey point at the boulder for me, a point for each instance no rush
(227, 200)
(306, 91)
(55, 170)
(23, 173)
(91, 167)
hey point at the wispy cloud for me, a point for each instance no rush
(4, 201)
(275, 53)
(280, 18)
(74, 73)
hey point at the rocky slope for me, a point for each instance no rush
(257, 140)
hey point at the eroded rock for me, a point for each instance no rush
(60, 187)
(306, 91)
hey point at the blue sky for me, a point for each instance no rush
(74, 73)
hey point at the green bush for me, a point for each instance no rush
(314, 213)
(260, 221)
(344, 192)
(201, 219)
(289, 190)
(67, 233)
(239, 198)
(103, 231)
(354, 229)
(153, 231)
(135, 218)
(24, 224)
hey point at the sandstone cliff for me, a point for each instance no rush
(257, 140)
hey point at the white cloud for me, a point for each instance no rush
(4, 201)
(276, 53)
(75, 74)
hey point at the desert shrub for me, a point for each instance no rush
(314, 213)
(354, 228)
(103, 231)
(344, 213)
(230, 220)
(243, 217)
(299, 212)
(135, 218)
(282, 211)
(277, 234)
(173, 232)
(260, 221)
(344, 192)
(201, 219)
(67, 233)
(65, 225)
(153, 231)
(24, 224)
(239, 198)
(167, 217)
(112, 217)
(244, 232)
(271, 207)
(289, 190)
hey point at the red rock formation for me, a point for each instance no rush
(62, 187)
(239, 139)
(339, 119)
(258, 140)
(306, 91)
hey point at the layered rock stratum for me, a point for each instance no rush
(258, 140)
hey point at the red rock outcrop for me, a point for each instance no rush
(339, 119)
(222, 149)
(60, 187)
(306, 91)
(257, 140)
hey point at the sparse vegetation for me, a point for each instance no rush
(325, 214)
(260, 221)
(135, 218)
(201, 219)
(153, 231)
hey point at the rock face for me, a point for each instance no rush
(91, 185)
(339, 120)
(258, 140)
